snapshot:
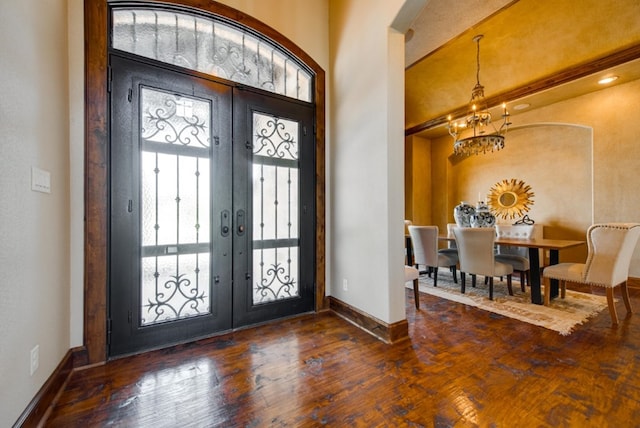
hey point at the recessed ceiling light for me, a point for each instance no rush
(606, 80)
(521, 106)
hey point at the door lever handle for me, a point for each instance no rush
(240, 222)
(225, 221)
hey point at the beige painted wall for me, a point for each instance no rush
(579, 157)
(75, 78)
(367, 157)
(34, 227)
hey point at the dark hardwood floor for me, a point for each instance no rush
(461, 367)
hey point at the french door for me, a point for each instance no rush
(211, 207)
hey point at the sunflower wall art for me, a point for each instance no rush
(510, 199)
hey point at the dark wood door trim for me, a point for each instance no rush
(96, 162)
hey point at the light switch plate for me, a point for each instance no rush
(40, 180)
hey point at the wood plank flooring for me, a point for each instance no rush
(461, 367)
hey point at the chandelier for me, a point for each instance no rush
(476, 133)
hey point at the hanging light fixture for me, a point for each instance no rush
(476, 133)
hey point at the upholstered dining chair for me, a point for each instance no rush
(408, 251)
(477, 257)
(517, 257)
(451, 249)
(425, 251)
(610, 248)
(412, 274)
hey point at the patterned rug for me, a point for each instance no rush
(561, 316)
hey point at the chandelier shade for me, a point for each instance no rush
(476, 133)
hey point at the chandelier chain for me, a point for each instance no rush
(478, 59)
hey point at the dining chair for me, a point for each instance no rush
(517, 257)
(425, 251)
(408, 251)
(451, 245)
(610, 248)
(412, 274)
(476, 256)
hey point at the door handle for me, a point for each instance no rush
(225, 222)
(240, 222)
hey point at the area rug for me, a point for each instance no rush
(563, 315)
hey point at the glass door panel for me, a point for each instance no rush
(275, 208)
(175, 172)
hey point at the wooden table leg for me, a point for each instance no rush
(534, 264)
(536, 280)
(554, 259)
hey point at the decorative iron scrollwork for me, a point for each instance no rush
(179, 299)
(273, 140)
(276, 284)
(172, 128)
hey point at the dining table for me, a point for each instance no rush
(534, 245)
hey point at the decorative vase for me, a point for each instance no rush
(462, 214)
(483, 217)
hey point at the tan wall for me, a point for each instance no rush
(34, 227)
(579, 156)
(418, 197)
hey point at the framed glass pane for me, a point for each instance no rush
(276, 274)
(210, 46)
(174, 287)
(275, 137)
(175, 119)
(275, 202)
(175, 174)
(276, 192)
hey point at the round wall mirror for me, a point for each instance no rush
(510, 199)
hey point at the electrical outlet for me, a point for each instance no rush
(35, 359)
(345, 285)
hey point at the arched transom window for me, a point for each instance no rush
(210, 46)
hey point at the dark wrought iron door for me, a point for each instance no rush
(274, 235)
(212, 201)
(171, 208)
